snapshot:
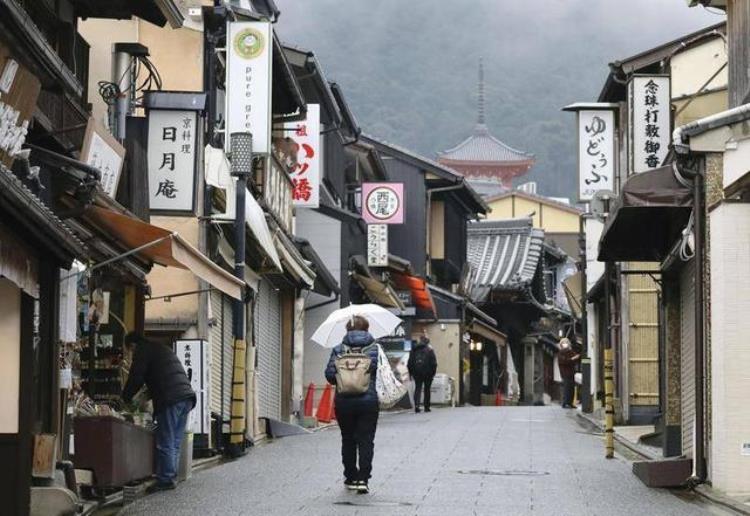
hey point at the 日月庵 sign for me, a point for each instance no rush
(649, 101)
(171, 160)
(383, 203)
(248, 82)
(596, 152)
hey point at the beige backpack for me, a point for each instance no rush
(353, 372)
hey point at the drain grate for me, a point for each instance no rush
(373, 504)
(503, 473)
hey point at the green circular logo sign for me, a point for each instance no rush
(249, 43)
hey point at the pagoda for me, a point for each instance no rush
(487, 163)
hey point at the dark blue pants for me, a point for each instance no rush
(358, 427)
(170, 429)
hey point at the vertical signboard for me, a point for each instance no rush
(193, 355)
(248, 82)
(649, 102)
(305, 172)
(377, 245)
(596, 152)
(19, 90)
(171, 160)
(103, 152)
(383, 203)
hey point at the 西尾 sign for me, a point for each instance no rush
(383, 203)
(19, 90)
(171, 159)
(248, 82)
(193, 355)
(305, 173)
(650, 121)
(596, 152)
(377, 245)
(103, 152)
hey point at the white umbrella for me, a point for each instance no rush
(332, 331)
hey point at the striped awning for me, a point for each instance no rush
(504, 256)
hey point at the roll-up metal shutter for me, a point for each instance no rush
(268, 346)
(221, 354)
(687, 354)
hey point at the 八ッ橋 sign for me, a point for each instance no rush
(383, 203)
(305, 173)
(649, 103)
(248, 82)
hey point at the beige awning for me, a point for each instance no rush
(293, 262)
(379, 292)
(164, 247)
(573, 286)
(488, 332)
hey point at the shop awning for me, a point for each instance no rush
(294, 264)
(420, 292)
(164, 247)
(488, 332)
(379, 292)
(649, 216)
(573, 286)
(325, 283)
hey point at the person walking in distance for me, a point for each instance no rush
(422, 365)
(352, 368)
(156, 366)
(567, 359)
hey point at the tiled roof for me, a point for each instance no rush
(482, 146)
(504, 255)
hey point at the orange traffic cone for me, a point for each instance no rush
(325, 407)
(498, 399)
(309, 400)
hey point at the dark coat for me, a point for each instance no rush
(357, 340)
(566, 363)
(422, 348)
(159, 368)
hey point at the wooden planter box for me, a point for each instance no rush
(117, 451)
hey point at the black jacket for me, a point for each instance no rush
(429, 360)
(159, 368)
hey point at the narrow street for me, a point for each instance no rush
(512, 461)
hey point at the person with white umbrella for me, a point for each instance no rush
(353, 368)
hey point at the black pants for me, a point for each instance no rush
(569, 386)
(418, 384)
(357, 437)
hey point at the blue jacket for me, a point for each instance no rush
(368, 400)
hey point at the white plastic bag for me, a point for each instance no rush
(389, 389)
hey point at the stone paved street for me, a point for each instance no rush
(536, 460)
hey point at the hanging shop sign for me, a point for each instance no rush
(103, 152)
(19, 90)
(193, 355)
(248, 82)
(596, 152)
(304, 137)
(383, 203)
(172, 142)
(377, 245)
(649, 109)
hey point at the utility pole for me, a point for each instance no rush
(242, 168)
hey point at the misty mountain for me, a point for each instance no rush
(409, 68)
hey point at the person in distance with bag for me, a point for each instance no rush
(422, 366)
(352, 368)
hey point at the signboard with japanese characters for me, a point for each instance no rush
(650, 121)
(596, 152)
(19, 90)
(377, 245)
(383, 203)
(103, 152)
(193, 355)
(305, 173)
(171, 160)
(248, 82)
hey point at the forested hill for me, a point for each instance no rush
(409, 67)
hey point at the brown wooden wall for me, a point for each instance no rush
(738, 27)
